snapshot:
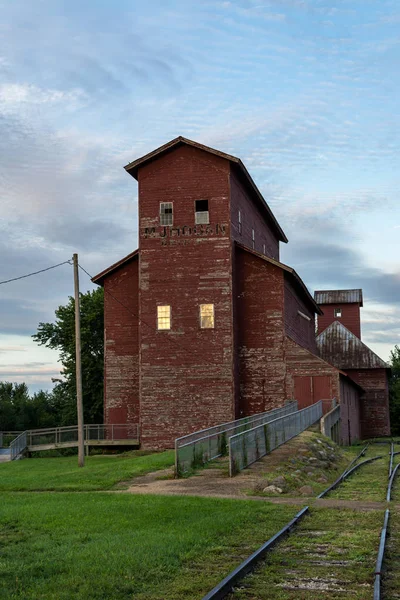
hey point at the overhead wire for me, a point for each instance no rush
(35, 272)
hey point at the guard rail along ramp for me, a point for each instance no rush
(202, 446)
(251, 445)
(35, 440)
(330, 424)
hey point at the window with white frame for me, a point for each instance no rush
(202, 216)
(338, 312)
(207, 316)
(253, 238)
(164, 317)
(166, 213)
(239, 221)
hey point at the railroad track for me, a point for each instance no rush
(331, 553)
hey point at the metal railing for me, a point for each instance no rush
(65, 435)
(249, 446)
(6, 437)
(18, 446)
(59, 436)
(330, 424)
(200, 447)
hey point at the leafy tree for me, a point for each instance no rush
(395, 391)
(20, 411)
(61, 336)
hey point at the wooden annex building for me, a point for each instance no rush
(204, 324)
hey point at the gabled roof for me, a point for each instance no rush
(99, 279)
(291, 272)
(339, 346)
(339, 297)
(133, 167)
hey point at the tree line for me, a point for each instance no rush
(19, 410)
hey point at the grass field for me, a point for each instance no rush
(101, 472)
(117, 546)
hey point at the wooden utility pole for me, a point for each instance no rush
(79, 400)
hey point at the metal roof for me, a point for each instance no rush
(339, 297)
(133, 167)
(339, 346)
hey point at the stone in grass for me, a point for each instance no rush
(272, 489)
(322, 479)
(279, 481)
(306, 490)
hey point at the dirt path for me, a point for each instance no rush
(213, 482)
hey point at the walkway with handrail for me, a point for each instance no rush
(35, 440)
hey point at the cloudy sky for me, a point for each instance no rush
(306, 92)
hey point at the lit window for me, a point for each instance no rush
(207, 316)
(240, 221)
(163, 317)
(338, 312)
(202, 216)
(166, 213)
(253, 237)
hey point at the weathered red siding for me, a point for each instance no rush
(252, 218)
(375, 419)
(259, 309)
(350, 317)
(121, 356)
(296, 326)
(350, 413)
(186, 374)
(321, 380)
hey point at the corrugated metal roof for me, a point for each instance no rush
(344, 350)
(338, 297)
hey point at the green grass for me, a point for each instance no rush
(370, 481)
(330, 555)
(391, 574)
(119, 546)
(63, 474)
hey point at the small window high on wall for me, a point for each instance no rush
(202, 216)
(338, 312)
(166, 213)
(164, 317)
(207, 316)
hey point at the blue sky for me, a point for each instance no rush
(304, 91)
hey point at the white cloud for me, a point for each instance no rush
(13, 95)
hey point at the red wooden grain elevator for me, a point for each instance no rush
(203, 324)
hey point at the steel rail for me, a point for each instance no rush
(353, 462)
(391, 481)
(226, 586)
(346, 474)
(391, 459)
(379, 560)
(221, 590)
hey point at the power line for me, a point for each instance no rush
(35, 272)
